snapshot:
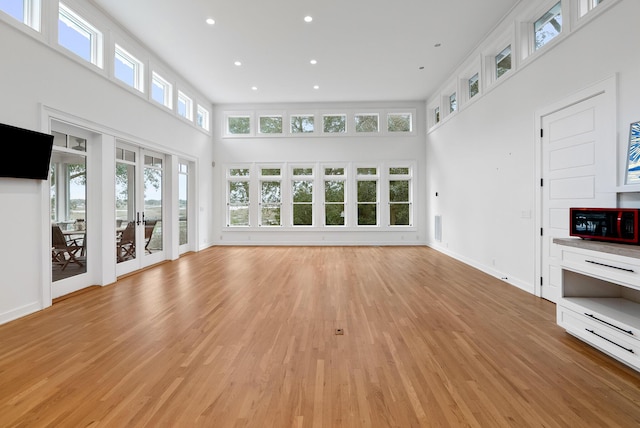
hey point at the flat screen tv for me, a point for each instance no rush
(28, 153)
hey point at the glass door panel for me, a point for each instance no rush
(183, 202)
(125, 205)
(68, 195)
(152, 215)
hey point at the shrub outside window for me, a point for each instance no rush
(503, 62)
(78, 36)
(548, 26)
(270, 124)
(366, 122)
(334, 197)
(334, 123)
(161, 90)
(128, 69)
(436, 114)
(474, 85)
(301, 124)
(399, 122)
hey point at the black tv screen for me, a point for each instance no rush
(30, 153)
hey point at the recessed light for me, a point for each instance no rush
(421, 67)
(316, 87)
(254, 88)
(313, 62)
(437, 45)
(211, 21)
(237, 63)
(308, 18)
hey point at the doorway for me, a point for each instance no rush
(139, 181)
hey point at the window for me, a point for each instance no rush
(128, 69)
(185, 106)
(588, 5)
(203, 118)
(334, 197)
(183, 202)
(270, 197)
(399, 196)
(302, 124)
(238, 197)
(436, 114)
(366, 122)
(399, 122)
(238, 125)
(334, 123)
(78, 36)
(25, 11)
(548, 26)
(367, 188)
(270, 124)
(503, 61)
(453, 102)
(161, 90)
(474, 86)
(302, 196)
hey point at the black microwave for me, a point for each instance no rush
(605, 224)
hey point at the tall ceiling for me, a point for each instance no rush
(366, 50)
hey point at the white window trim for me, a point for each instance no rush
(346, 123)
(400, 177)
(235, 178)
(261, 114)
(313, 179)
(344, 178)
(32, 19)
(367, 177)
(316, 130)
(225, 124)
(284, 194)
(362, 112)
(168, 90)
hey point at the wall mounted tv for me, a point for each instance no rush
(30, 153)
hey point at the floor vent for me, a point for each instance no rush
(438, 228)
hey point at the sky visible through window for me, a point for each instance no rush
(124, 70)
(77, 42)
(14, 8)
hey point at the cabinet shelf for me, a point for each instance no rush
(613, 309)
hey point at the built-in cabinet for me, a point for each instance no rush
(600, 297)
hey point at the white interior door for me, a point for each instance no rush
(139, 208)
(576, 172)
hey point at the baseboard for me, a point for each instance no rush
(20, 312)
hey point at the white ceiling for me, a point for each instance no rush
(367, 50)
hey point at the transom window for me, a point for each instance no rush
(238, 125)
(25, 11)
(366, 122)
(503, 62)
(203, 118)
(79, 36)
(334, 123)
(399, 122)
(453, 102)
(548, 26)
(185, 106)
(270, 124)
(588, 5)
(436, 114)
(161, 90)
(474, 85)
(128, 69)
(301, 124)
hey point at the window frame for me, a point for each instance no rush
(344, 117)
(411, 115)
(32, 16)
(137, 67)
(293, 177)
(270, 115)
(344, 177)
(264, 178)
(188, 102)
(82, 26)
(167, 98)
(238, 178)
(533, 33)
(364, 114)
(237, 115)
(307, 115)
(362, 178)
(203, 112)
(409, 177)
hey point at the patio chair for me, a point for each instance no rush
(62, 252)
(149, 225)
(126, 245)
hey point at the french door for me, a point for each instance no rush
(139, 208)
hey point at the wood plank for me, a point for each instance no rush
(245, 337)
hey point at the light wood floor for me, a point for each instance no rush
(245, 337)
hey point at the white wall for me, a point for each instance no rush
(321, 149)
(33, 75)
(481, 160)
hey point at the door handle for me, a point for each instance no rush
(138, 218)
